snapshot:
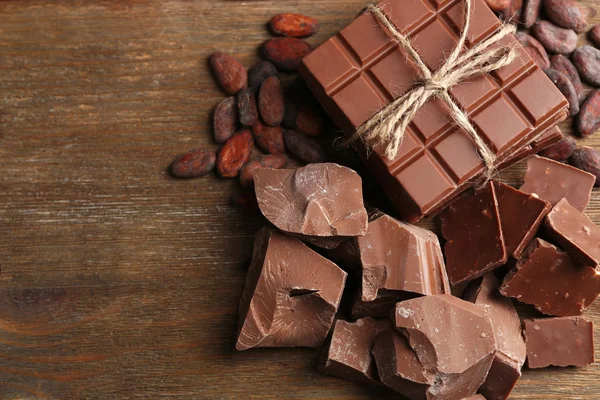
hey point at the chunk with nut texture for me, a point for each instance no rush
(291, 294)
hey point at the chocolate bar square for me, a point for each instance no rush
(362, 70)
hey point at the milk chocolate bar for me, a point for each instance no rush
(562, 342)
(291, 294)
(361, 70)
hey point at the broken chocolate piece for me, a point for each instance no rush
(399, 367)
(510, 346)
(291, 294)
(348, 354)
(521, 215)
(320, 200)
(562, 342)
(552, 281)
(575, 232)
(452, 338)
(475, 243)
(552, 181)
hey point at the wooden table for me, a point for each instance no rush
(118, 282)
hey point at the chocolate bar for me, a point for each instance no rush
(550, 137)
(291, 294)
(562, 342)
(552, 181)
(361, 70)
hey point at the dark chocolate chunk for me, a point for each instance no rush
(510, 346)
(552, 181)
(562, 342)
(521, 215)
(575, 232)
(321, 200)
(452, 338)
(475, 243)
(552, 281)
(291, 294)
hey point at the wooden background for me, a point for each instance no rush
(118, 282)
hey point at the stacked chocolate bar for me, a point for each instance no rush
(361, 70)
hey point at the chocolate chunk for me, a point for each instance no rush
(291, 294)
(353, 88)
(575, 232)
(552, 281)
(399, 367)
(560, 342)
(521, 215)
(473, 222)
(348, 354)
(452, 338)
(552, 181)
(320, 200)
(510, 346)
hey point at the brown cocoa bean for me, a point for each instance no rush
(303, 148)
(567, 14)
(225, 119)
(555, 39)
(594, 35)
(498, 5)
(247, 110)
(535, 49)
(561, 150)
(259, 72)
(235, 153)
(269, 138)
(271, 102)
(230, 74)
(294, 25)
(194, 163)
(286, 53)
(513, 12)
(276, 161)
(304, 119)
(531, 12)
(588, 120)
(564, 65)
(563, 83)
(587, 61)
(588, 160)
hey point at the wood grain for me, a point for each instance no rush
(118, 282)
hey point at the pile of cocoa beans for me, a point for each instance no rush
(549, 31)
(258, 125)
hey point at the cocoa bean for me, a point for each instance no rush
(194, 163)
(513, 12)
(259, 72)
(225, 120)
(285, 53)
(594, 35)
(268, 138)
(588, 160)
(587, 61)
(588, 120)
(498, 5)
(294, 25)
(561, 150)
(563, 83)
(564, 65)
(304, 119)
(235, 153)
(230, 74)
(531, 12)
(276, 161)
(535, 49)
(247, 110)
(271, 102)
(567, 14)
(302, 147)
(555, 39)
